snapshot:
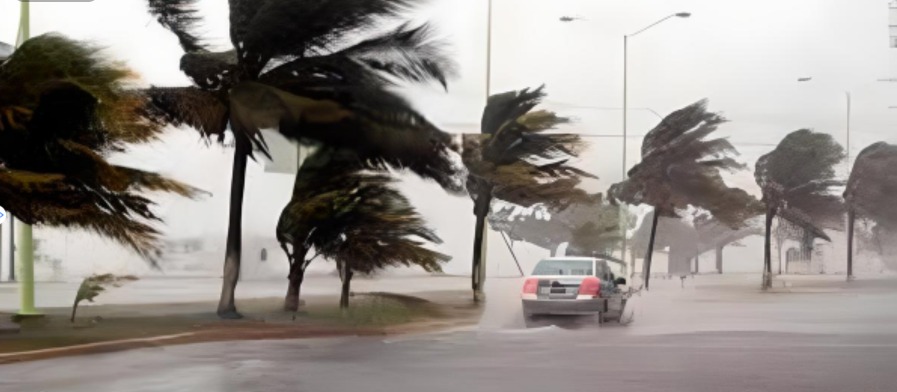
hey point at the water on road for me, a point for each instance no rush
(716, 334)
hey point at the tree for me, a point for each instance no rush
(870, 190)
(681, 168)
(355, 218)
(514, 160)
(797, 180)
(294, 68)
(63, 109)
(590, 228)
(320, 180)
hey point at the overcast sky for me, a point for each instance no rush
(745, 56)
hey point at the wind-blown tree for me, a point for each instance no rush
(590, 228)
(354, 217)
(63, 109)
(513, 159)
(681, 167)
(870, 191)
(300, 68)
(321, 179)
(797, 180)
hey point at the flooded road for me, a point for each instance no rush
(710, 337)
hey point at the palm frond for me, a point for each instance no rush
(797, 180)
(49, 199)
(278, 28)
(180, 17)
(681, 168)
(380, 127)
(355, 217)
(189, 106)
(407, 53)
(505, 108)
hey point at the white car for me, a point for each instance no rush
(569, 286)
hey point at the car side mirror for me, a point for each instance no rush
(620, 282)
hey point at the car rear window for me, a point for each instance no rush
(563, 267)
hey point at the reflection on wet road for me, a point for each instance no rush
(724, 350)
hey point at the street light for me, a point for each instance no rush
(626, 107)
(847, 94)
(626, 99)
(626, 77)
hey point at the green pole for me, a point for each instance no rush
(24, 244)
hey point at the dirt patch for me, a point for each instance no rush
(101, 329)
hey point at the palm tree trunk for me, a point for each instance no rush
(297, 275)
(649, 255)
(719, 259)
(851, 219)
(226, 307)
(478, 272)
(347, 280)
(767, 251)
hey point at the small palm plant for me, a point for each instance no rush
(355, 218)
(92, 286)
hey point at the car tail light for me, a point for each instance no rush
(590, 286)
(530, 286)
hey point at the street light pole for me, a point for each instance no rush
(623, 225)
(847, 93)
(24, 247)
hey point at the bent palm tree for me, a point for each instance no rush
(514, 160)
(870, 190)
(680, 168)
(295, 68)
(797, 180)
(63, 107)
(353, 217)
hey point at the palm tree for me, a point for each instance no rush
(298, 67)
(63, 108)
(797, 180)
(321, 179)
(353, 217)
(681, 168)
(514, 160)
(870, 190)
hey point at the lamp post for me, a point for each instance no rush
(24, 246)
(626, 107)
(849, 102)
(850, 221)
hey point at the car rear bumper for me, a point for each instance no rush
(565, 307)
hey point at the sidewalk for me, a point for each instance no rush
(190, 290)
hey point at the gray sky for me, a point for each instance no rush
(745, 56)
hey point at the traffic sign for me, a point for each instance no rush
(3, 216)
